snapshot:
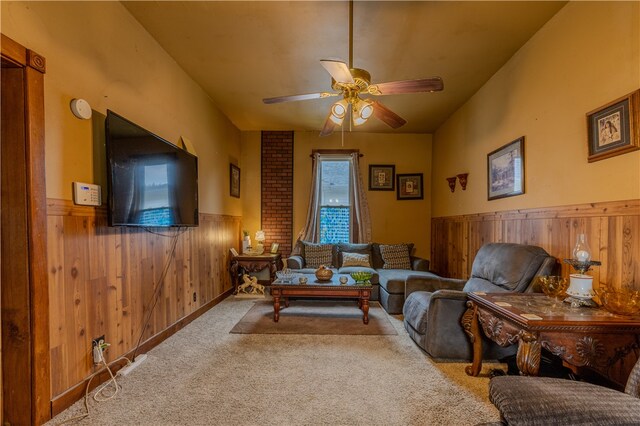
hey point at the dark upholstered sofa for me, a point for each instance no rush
(388, 284)
(434, 305)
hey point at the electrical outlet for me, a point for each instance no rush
(96, 350)
(194, 296)
(95, 342)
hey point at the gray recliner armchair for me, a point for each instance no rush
(435, 305)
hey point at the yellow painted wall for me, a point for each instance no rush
(250, 182)
(584, 57)
(392, 221)
(97, 51)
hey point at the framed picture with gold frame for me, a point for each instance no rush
(234, 180)
(505, 170)
(614, 128)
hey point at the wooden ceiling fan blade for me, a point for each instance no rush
(387, 116)
(305, 97)
(433, 84)
(328, 128)
(338, 70)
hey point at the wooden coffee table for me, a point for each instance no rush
(325, 289)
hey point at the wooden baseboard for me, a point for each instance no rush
(66, 399)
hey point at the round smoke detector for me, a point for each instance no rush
(81, 109)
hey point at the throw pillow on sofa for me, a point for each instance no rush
(352, 248)
(376, 258)
(355, 259)
(316, 255)
(395, 256)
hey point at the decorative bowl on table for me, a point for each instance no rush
(619, 301)
(553, 285)
(323, 273)
(285, 276)
(361, 277)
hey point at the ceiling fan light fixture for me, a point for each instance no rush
(357, 121)
(366, 108)
(336, 120)
(338, 111)
(362, 110)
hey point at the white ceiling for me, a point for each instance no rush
(241, 52)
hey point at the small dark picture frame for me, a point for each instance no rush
(274, 248)
(614, 128)
(234, 181)
(382, 177)
(410, 186)
(505, 170)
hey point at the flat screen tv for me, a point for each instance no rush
(151, 182)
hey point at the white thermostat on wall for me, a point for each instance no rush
(87, 194)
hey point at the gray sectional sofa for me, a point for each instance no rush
(388, 284)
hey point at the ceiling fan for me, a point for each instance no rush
(351, 83)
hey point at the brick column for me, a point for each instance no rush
(277, 189)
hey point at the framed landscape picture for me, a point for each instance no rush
(234, 181)
(382, 177)
(614, 128)
(505, 169)
(410, 187)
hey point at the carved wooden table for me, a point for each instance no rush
(315, 288)
(254, 263)
(583, 337)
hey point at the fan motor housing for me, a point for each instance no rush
(361, 77)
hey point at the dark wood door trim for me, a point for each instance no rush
(37, 311)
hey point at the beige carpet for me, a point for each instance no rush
(203, 375)
(336, 317)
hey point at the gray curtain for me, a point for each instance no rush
(311, 230)
(361, 221)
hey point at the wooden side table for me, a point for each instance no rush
(582, 337)
(243, 264)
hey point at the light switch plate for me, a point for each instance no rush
(87, 194)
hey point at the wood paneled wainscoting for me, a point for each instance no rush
(612, 228)
(102, 281)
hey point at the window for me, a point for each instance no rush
(338, 209)
(335, 199)
(155, 209)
